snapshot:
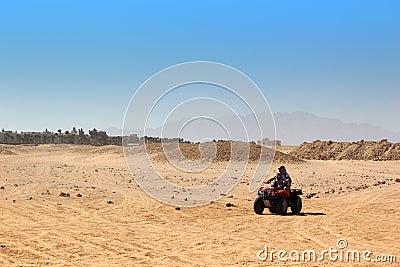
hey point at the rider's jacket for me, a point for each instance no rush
(283, 180)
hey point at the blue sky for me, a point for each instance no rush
(78, 63)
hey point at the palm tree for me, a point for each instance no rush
(6, 138)
(18, 138)
(37, 138)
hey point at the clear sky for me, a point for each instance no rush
(77, 63)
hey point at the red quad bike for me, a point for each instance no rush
(277, 201)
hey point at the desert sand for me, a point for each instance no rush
(65, 205)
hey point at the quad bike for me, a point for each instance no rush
(278, 201)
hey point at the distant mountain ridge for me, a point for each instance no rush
(298, 127)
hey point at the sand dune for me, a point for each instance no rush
(78, 205)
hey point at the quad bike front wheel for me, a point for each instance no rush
(272, 209)
(282, 206)
(259, 205)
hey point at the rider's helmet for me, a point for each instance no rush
(282, 169)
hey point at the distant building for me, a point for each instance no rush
(267, 142)
(132, 139)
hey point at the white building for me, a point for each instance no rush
(267, 142)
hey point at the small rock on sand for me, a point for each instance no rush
(62, 194)
(310, 195)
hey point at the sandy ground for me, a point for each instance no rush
(104, 219)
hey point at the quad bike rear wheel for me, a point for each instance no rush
(297, 205)
(259, 205)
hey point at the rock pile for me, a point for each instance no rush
(360, 150)
(221, 151)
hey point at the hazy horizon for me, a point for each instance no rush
(298, 122)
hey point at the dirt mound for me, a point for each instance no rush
(361, 150)
(220, 151)
(6, 151)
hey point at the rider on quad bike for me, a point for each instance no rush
(278, 197)
(281, 180)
